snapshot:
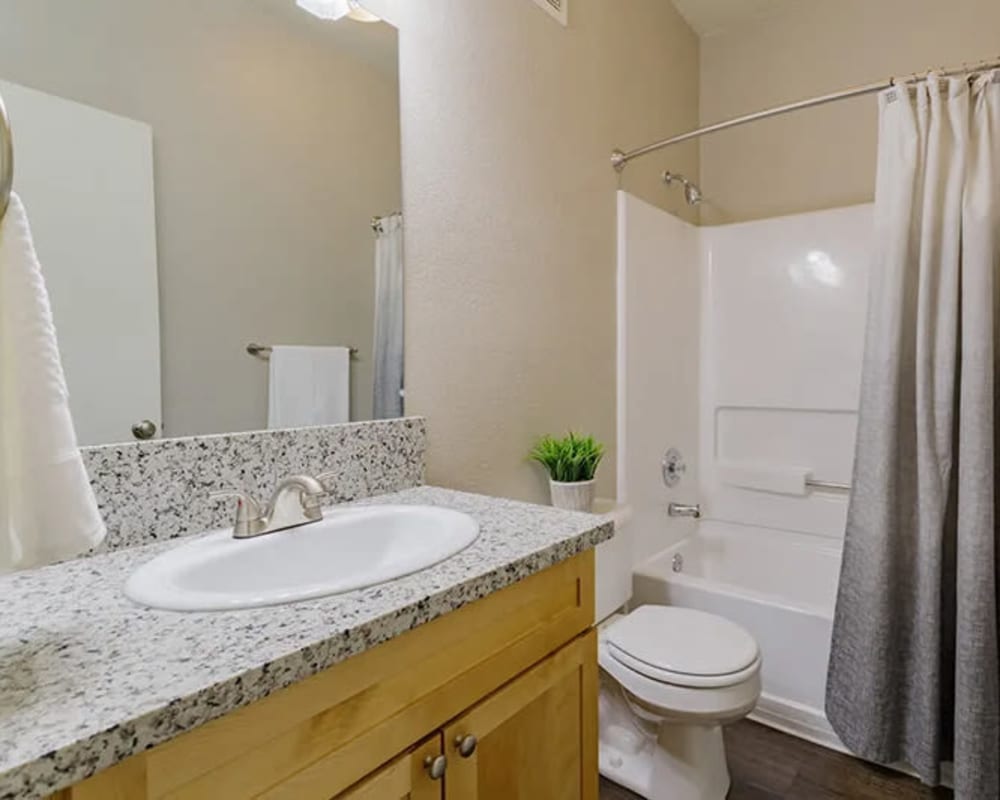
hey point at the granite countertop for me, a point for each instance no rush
(88, 678)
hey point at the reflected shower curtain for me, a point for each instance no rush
(388, 348)
(914, 667)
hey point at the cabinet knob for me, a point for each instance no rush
(466, 745)
(435, 766)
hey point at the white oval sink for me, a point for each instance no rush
(348, 549)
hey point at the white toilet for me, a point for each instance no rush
(671, 677)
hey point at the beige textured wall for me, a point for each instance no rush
(508, 120)
(273, 148)
(823, 157)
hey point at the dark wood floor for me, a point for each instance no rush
(768, 765)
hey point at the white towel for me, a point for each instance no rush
(309, 386)
(47, 509)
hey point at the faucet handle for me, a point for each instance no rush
(323, 476)
(249, 518)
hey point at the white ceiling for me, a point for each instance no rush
(714, 16)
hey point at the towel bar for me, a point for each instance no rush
(377, 221)
(830, 485)
(6, 159)
(264, 350)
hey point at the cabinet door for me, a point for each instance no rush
(409, 777)
(534, 738)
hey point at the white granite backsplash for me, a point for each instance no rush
(156, 490)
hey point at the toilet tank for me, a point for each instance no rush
(613, 562)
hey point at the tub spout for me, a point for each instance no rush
(683, 510)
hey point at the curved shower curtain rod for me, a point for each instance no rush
(619, 158)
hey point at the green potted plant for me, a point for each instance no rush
(571, 463)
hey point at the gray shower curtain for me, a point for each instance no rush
(388, 346)
(914, 665)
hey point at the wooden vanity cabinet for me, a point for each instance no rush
(405, 778)
(494, 701)
(532, 737)
(527, 741)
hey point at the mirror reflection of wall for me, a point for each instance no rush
(199, 177)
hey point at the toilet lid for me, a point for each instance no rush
(682, 641)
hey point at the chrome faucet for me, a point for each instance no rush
(684, 510)
(296, 501)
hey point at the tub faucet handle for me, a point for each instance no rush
(673, 467)
(684, 510)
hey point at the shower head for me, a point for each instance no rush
(692, 194)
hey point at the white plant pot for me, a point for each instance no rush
(575, 496)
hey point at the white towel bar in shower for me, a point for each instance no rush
(833, 486)
(775, 479)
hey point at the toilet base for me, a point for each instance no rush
(684, 761)
(689, 763)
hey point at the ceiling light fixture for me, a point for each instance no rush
(337, 9)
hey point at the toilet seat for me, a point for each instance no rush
(680, 678)
(716, 705)
(683, 647)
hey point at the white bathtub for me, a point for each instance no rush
(781, 587)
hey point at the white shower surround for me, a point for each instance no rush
(771, 314)
(783, 305)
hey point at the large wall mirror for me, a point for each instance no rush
(206, 181)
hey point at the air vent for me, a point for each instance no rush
(557, 9)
